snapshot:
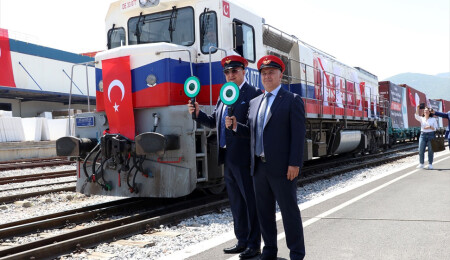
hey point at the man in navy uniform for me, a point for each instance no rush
(234, 153)
(276, 125)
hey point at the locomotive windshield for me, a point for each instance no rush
(174, 26)
(208, 31)
(116, 37)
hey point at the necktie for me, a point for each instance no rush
(222, 140)
(259, 149)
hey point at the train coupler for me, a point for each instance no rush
(74, 147)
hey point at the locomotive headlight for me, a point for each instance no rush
(100, 85)
(151, 80)
(148, 3)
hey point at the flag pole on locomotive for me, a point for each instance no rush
(191, 89)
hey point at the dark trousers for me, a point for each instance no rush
(447, 136)
(273, 187)
(242, 203)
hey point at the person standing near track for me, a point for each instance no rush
(428, 126)
(234, 153)
(276, 126)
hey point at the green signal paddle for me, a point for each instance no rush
(191, 89)
(229, 94)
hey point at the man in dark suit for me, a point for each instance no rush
(276, 125)
(234, 153)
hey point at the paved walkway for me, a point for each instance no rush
(405, 215)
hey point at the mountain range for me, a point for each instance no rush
(435, 87)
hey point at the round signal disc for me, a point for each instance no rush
(192, 86)
(229, 93)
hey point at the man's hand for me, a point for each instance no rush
(292, 172)
(231, 121)
(191, 108)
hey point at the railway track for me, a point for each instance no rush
(37, 186)
(23, 196)
(65, 218)
(33, 163)
(37, 176)
(338, 166)
(156, 213)
(108, 231)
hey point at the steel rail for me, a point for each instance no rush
(33, 160)
(310, 176)
(327, 163)
(52, 247)
(37, 176)
(64, 213)
(14, 166)
(38, 186)
(70, 217)
(12, 198)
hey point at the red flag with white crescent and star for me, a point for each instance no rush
(6, 71)
(226, 9)
(117, 95)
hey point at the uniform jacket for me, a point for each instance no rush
(284, 131)
(445, 115)
(238, 147)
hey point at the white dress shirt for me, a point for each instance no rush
(424, 122)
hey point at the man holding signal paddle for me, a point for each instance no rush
(234, 153)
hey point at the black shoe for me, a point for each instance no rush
(234, 249)
(249, 253)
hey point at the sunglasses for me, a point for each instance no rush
(233, 71)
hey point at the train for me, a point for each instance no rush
(402, 100)
(142, 142)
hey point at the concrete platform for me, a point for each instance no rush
(25, 150)
(404, 215)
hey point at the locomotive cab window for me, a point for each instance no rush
(287, 72)
(174, 26)
(208, 32)
(244, 40)
(116, 37)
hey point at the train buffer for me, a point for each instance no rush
(402, 215)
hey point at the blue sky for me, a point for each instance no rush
(385, 37)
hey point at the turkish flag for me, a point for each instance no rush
(411, 98)
(226, 9)
(6, 71)
(117, 96)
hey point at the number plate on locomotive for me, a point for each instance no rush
(85, 121)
